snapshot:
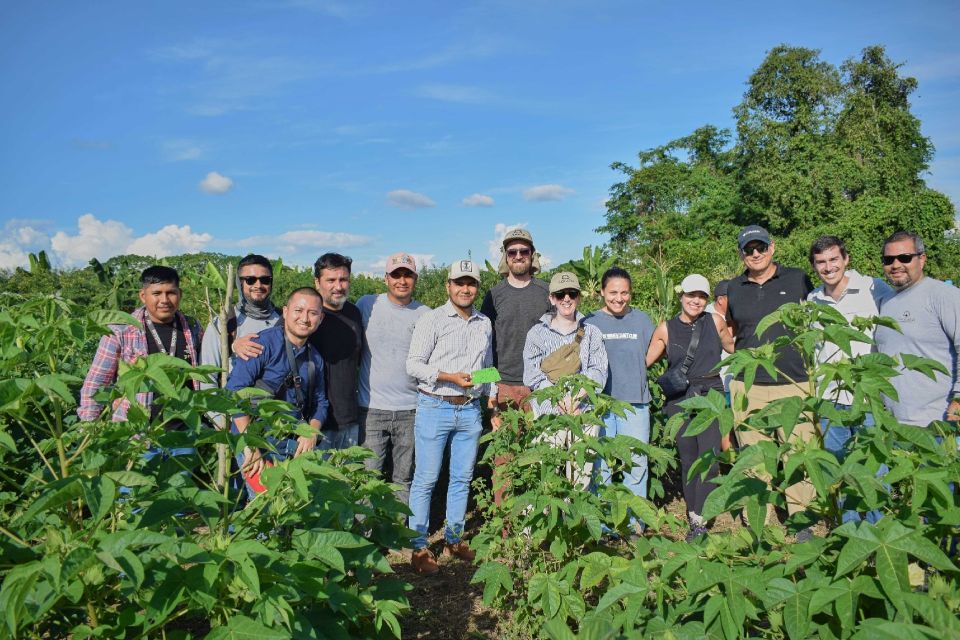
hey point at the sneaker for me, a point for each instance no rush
(804, 535)
(695, 532)
(459, 550)
(423, 562)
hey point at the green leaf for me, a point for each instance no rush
(54, 495)
(796, 605)
(495, 577)
(100, 492)
(244, 628)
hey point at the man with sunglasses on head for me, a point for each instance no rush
(254, 312)
(928, 312)
(761, 289)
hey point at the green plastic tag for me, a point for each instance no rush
(483, 376)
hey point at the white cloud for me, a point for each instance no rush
(292, 242)
(104, 239)
(462, 94)
(216, 183)
(547, 193)
(179, 150)
(478, 200)
(406, 199)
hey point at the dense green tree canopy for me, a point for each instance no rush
(818, 149)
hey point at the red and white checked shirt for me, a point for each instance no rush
(128, 343)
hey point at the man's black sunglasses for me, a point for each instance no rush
(902, 258)
(573, 293)
(251, 280)
(750, 249)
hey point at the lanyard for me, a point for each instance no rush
(156, 336)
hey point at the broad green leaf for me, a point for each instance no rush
(244, 628)
(54, 495)
(495, 577)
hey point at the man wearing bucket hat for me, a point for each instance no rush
(448, 344)
(388, 395)
(514, 305)
(761, 289)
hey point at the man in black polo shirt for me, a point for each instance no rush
(760, 290)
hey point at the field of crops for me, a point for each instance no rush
(97, 541)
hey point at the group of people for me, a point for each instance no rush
(397, 377)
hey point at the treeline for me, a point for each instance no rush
(818, 149)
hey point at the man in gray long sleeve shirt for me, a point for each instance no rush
(928, 312)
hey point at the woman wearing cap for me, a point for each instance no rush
(555, 329)
(673, 338)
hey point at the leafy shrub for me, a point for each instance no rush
(98, 541)
(555, 570)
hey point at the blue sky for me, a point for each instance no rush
(299, 127)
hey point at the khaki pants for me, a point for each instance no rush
(801, 494)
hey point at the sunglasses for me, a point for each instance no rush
(761, 247)
(513, 253)
(573, 293)
(902, 258)
(251, 280)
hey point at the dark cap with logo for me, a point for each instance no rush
(752, 233)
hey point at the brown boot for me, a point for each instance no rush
(423, 562)
(459, 550)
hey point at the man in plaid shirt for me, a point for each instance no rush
(164, 329)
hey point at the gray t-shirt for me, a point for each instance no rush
(626, 339)
(513, 311)
(387, 329)
(928, 313)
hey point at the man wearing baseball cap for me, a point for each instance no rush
(449, 343)
(761, 289)
(388, 395)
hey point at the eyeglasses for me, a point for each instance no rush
(573, 293)
(251, 280)
(513, 253)
(902, 258)
(750, 250)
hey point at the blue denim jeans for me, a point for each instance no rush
(342, 438)
(835, 439)
(635, 424)
(437, 423)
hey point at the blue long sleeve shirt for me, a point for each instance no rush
(272, 366)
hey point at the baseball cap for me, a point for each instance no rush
(564, 280)
(517, 235)
(695, 282)
(752, 233)
(464, 268)
(721, 288)
(401, 261)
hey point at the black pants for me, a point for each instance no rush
(695, 489)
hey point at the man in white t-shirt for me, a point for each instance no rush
(388, 395)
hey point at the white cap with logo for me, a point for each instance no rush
(464, 269)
